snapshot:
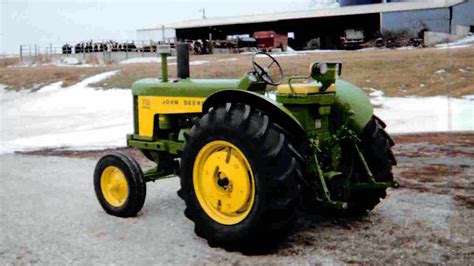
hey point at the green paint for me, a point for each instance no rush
(188, 87)
(164, 67)
(173, 147)
(155, 174)
(350, 98)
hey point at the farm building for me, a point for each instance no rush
(328, 25)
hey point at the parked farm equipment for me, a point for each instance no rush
(269, 40)
(247, 162)
(352, 39)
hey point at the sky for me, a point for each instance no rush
(58, 21)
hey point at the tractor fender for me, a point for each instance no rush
(277, 112)
(350, 98)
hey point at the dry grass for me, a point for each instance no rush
(396, 72)
(28, 77)
(5, 62)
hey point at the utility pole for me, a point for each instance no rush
(163, 31)
(203, 11)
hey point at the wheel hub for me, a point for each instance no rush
(114, 186)
(223, 183)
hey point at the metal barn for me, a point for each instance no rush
(372, 16)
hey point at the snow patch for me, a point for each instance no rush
(461, 43)
(198, 62)
(233, 59)
(407, 48)
(425, 114)
(319, 51)
(280, 54)
(51, 87)
(75, 117)
(70, 61)
(469, 97)
(294, 53)
(465, 40)
(144, 60)
(376, 96)
(455, 46)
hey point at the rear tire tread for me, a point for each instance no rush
(276, 173)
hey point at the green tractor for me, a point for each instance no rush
(250, 160)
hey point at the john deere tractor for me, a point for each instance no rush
(250, 159)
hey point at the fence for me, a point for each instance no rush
(104, 51)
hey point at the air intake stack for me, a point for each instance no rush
(164, 51)
(182, 53)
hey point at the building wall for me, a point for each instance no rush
(156, 35)
(416, 20)
(463, 14)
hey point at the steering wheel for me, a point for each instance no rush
(263, 72)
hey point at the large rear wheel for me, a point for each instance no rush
(376, 146)
(239, 179)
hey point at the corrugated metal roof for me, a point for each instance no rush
(315, 13)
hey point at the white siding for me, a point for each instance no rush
(156, 35)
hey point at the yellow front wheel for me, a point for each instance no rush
(119, 185)
(114, 186)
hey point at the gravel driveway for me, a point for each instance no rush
(49, 215)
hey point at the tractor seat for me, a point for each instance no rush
(303, 88)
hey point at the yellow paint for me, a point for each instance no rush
(223, 182)
(114, 186)
(149, 106)
(303, 88)
(331, 88)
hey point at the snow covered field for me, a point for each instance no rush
(461, 43)
(81, 117)
(424, 114)
(76, 117)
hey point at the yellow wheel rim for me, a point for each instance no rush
(223, 182)
(114, 186)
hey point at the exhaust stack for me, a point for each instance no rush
(182, 54)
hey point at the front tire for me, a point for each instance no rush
(236, 149)
(119, 185)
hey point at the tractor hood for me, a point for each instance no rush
(184, 87)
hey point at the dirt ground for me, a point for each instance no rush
(400, 72)
(428, 220)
